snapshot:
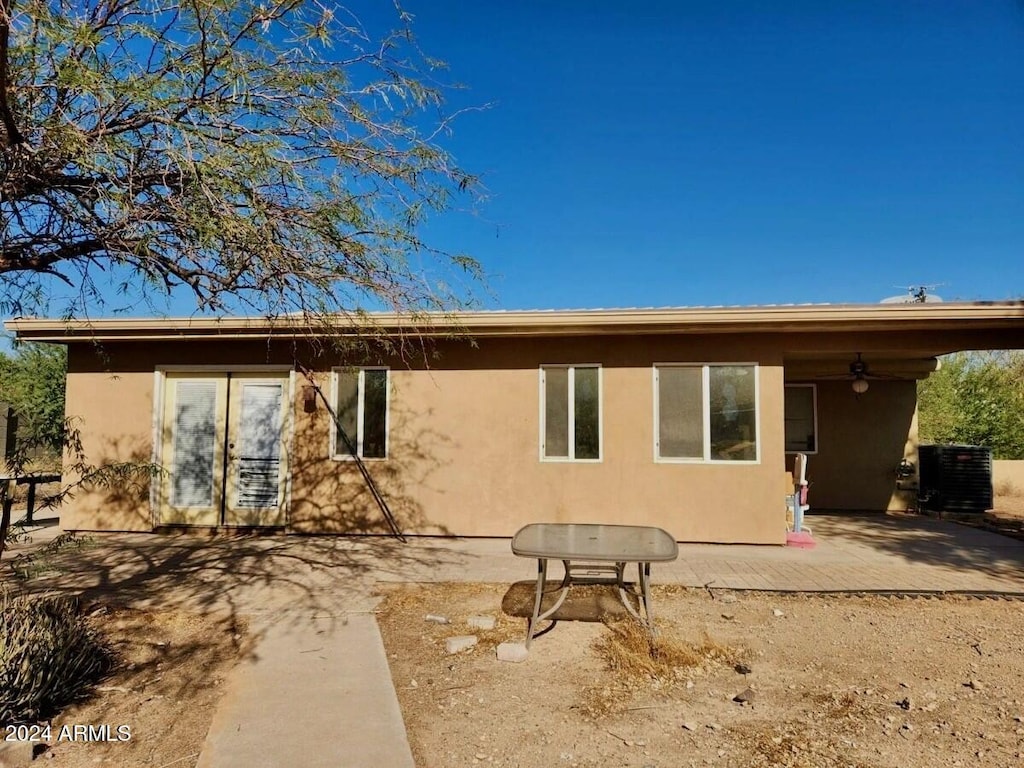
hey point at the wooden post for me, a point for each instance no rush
(6, 502)
(8, 433)
(31, 500)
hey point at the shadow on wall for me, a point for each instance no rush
(110, 491)
(329, 495)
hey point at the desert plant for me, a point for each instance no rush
(49, 655)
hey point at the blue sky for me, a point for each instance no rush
(724, 152)
(729, 152)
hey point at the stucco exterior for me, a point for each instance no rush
(464, 436)
(1008, 477)
(464, 420)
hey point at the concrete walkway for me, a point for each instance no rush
(318, 694)
(317, 690)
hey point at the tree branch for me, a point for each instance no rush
(13, 135)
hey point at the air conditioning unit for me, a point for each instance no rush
(955, 478)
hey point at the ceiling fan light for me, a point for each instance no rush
(860, 386)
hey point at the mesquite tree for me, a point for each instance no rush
(976, 398)
(266, 156)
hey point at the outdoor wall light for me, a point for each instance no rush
(860, 386)
(309, 398)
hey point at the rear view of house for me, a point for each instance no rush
(684, 419)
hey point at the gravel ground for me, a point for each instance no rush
(828, 681)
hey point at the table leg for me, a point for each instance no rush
(542, 577)
(542, 574)
(644, 574)
(620, 571)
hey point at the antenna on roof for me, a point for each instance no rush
(916, 294)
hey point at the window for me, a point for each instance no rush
(570, 412)
(705, 412)
(361, 404)
(801, 418)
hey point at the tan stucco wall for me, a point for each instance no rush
(465, 459)
(113, 414)
(464, 453)
(1008, 477)
(861, 440)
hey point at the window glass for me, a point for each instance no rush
(680, 412)
(719, 424)
(362, 408)
(586, 417)
(375, 404)
(799, 416)
(259, 443)
(347, 409)
(556, 412)
(732, 417)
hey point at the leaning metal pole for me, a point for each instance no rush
(351, 447)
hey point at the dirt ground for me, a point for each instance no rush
(848, 681)
(1006, 518)
(161, 694)
(1009, 501)
(829, 681)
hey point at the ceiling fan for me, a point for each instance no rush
(860, 375)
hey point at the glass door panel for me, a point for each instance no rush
(257, 466)
(193, 439)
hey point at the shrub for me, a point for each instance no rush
(49, 656)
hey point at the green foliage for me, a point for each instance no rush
(49, 656)
(32, 380)
(975, 398)
(260, 155)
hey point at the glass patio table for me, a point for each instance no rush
(593, 554)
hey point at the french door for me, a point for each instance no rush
(223, 449)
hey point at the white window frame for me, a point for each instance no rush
(706, 412)
(343, 454)
(814, 415)
(571, 368)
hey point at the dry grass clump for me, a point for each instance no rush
(642, 665)
(791, 745)
(628, 650)
(407, 607)
(837, 705)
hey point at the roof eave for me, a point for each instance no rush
(810, 318)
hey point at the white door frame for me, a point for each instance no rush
(159, 382)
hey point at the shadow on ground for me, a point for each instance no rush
(266, 577)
